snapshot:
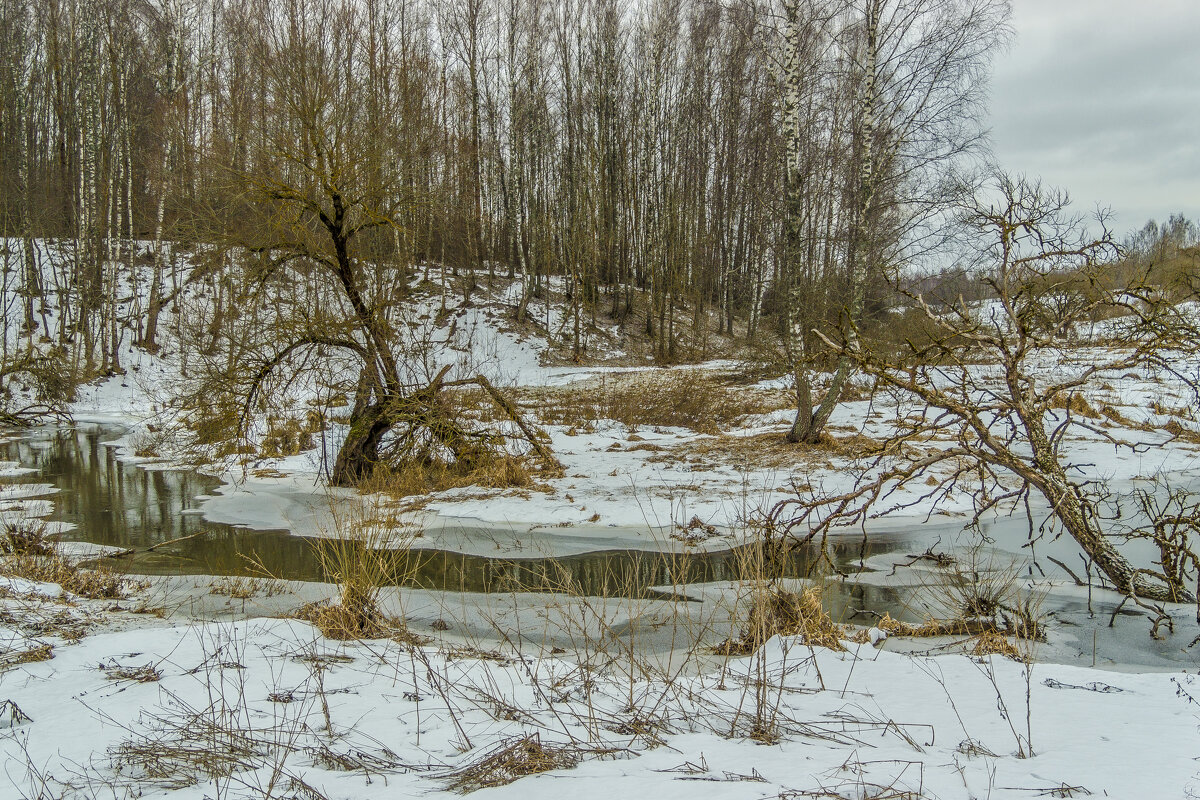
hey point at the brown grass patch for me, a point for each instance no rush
(990, 642)
(1114, 415)
(94, 584)
(949, 627)
(1164, 410)
(418, 478)
(42, 652)
(238, 587)
(777, 612)
(512, 759)
(1075, 403)
(773, 451)
(685, 398)
(147, 673)
(1177, 430)
(346, 623)
(25, 538)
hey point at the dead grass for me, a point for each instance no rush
(41, 652)
(239, 587)
(991, 642)
(422, 478)
(26, 537)
(772, 451)
(1075, 403)
(992, 629)
(350, 622)
(777, 612)
(30, 554)
(685, 398)
(1164, 410)
(512, 759)
(94, 584)
(1179, 431)
(147, 673)
(1114, 415)
(362, 554)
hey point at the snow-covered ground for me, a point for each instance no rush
(269, 708)
(132, 705)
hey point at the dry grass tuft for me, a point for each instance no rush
(147, 673)
(772, 451)
(25, 538)
(425, 477)
(993, 630)
(366, 554)
(1113, 414)
(503, 473)
(348, 622)
(512, 759)
(238, 587)
(30, 554)
(1076, 404)
(777, 612)
(94, 584)
(1179, 431)
(991, 642)
(42, 652)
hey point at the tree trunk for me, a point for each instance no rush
(360, 452)
(1073, 515)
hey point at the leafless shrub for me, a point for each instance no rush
(25, 538)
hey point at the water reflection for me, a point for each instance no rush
(122, 505)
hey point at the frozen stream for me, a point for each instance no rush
(112, 503)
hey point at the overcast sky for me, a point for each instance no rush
(1102, 98)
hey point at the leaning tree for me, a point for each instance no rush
(313, 221)
(1000, 388)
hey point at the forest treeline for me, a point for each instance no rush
(627, 147)
(637, 149)
(729, 159)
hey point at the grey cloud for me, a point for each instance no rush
(1103, 98)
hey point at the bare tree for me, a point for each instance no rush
(979, 381)
(893, 91)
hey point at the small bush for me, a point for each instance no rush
(25, 538)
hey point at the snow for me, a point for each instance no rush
(848, 724)
(643, 717)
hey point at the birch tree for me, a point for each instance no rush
(911, 74)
